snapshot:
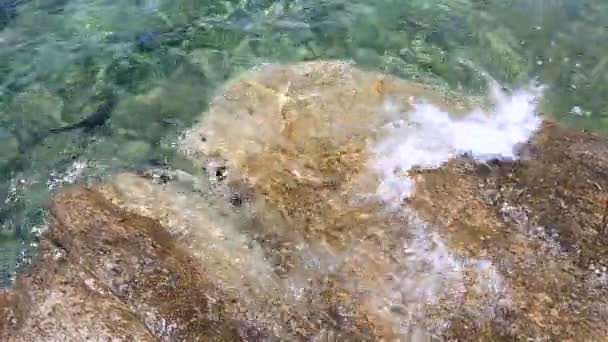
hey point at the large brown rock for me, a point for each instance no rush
(103, 274)
(543, 220)
(285, 240)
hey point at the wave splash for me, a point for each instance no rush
(427, 137)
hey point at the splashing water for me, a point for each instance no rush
(427, 137)
(432, 281)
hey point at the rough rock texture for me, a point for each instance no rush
(107, 275)
(294, 140)
(284, 241)
(543, 220)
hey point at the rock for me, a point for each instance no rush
(307, 252)
(296, 138)
(117, 280)
(332, 100)
(217, 236)
(562, 187)
(302, 149)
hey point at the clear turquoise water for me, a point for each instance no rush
(151, 66)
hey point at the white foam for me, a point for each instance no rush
(69, 176)
(432, 275)
(427, 137)
(432, 278)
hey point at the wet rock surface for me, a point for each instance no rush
(542, 219)
(107, 274)
(284, 240)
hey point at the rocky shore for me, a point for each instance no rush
(286, 237)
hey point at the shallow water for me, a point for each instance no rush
(65, 60)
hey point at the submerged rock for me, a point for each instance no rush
(297, 234)
(106, 275)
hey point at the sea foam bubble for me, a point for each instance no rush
(426, 137)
